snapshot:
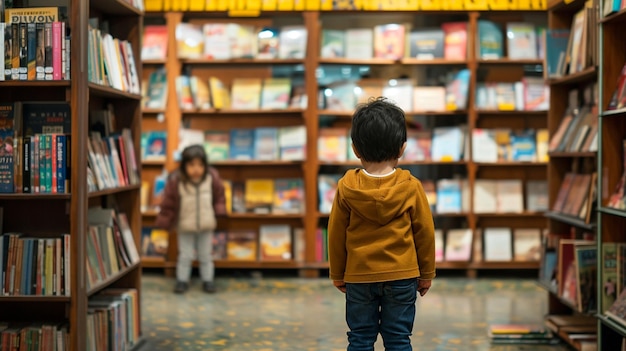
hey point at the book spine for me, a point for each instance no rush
(31, 52)
(41, 52)
(48, 51)
(53, 163)
(23, 54)
(15, 51)
(26, 164)
(60, 163)
(48, 163)
(8, 47)
(57, 59)
(67, 55)
(42, 164)
(35, 167)
(2, 49)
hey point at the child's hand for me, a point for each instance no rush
(423, 286)
(340, 284)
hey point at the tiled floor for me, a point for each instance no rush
(308, 314)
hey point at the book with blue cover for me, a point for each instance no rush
(242, 144)
(523, 145)
(490, 41)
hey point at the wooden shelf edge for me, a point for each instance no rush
(35, 83)
(236, 163)
(511, 164)
(156, 262)
(613, 211)
(511, 214)
(614, 113)
(114, 190)
(215, 112)
(506, 61)
(589, 73)
(338, 113)
(34, 298)
(110, 280)
(117, 7)
(567, 219)
(265, 216)
(112, 92)
(152, 111)
(35, 196)
(560, 154)
(614, 325)
(203, 61)
(512, 112)
(616, 17)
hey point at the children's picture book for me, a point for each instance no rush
(153, 145)
(189, 41)
(426, 44)
(490, 43)
(389, 41)
(154, 242)
(275, 242)
(268, 43)
(327, 188)
(288, 195)
(242, 245)
(586, 277)
(154, 45)
(158, 190)
(293, 40)
(333, 43)
(276, 93)
(439, 245)
(217, 145)
(526, 244)
(458, 245)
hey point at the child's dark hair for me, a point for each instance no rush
(191, 153)
(378, 130)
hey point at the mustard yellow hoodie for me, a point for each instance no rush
(380, 229)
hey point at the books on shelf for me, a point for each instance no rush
(154, 44)
(39, 335)
(154, 90)
(112, 161)
(502, 145)
(224, 41)
(272, 243)
(153, 146)
(576, 196)
(576, 273)
(266, 196)
(36, 49)
(578, 130)
(154, 242)
(275, 242)
(529, 94)
(618, 198)
(113, 320)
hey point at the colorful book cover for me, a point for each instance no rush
(266, 144)
(183, 91)
(275, 242)
(154, 242)
(200, 93)
(389, 41)
(527, 245)
(268, 43)
(246, 94)
(276, 93)
(426, 44)
(457, 90)
(220, 239)
(523, 145)
(332, 145)
(439, 245)
(243, 40)
(490, 41)
(458, 245)
(259, 195)
(153, 145)
(217, 41)
(292, 143)
(189, 41)
(154, 45)
(522, 40)
(158, 190)
(217, 145)
(242, 144)
(46, 118)
(288, 196)
(455, 42)
(7, 134)
(333, 43)
(586, 272)
(327, 188)
(418, 144)
(340, 96)
(447, 144)
(556, 47)
(157, 90)
(449, 199)
(609, 275)
(293, 40)
(219, 93)
(242, 245)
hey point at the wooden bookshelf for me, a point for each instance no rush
(50, 215)
(309, 169)
(611, 162)
(560, 16)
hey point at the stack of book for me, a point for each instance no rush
(520, 334)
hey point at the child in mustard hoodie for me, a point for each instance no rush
(381, 237)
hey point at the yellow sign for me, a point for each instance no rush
(248, 7)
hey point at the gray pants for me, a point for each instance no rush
(188, 244)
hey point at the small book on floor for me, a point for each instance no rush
(520, 334)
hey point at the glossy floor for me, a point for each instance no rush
(293, 314)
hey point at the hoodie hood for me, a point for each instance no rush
(377, 199)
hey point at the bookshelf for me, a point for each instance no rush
(611, 164)
(57, 214)
(571, 94)
(315, 21)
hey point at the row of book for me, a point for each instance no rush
(578, 130)
(247, 144)
(573, 50)
(453, 195)
(245, 93)
(110, 245)
(36, 44)
(579, 330)
(34, 266)
(442, 144)
(113, 320)
(272, 242)
(110, 60)
(36, 337)
(34, 146)
(346, 95)
(449, 41)
(265, 196)
(520, 334)
(576, 196)
(529, 94)
(502, 145)
(223, 41)
(111, 161)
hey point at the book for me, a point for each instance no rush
(288, 196)
(189, 41)
(293, 40)
(154, 242)
(259, 195)
(275, 242)
(242, 245)
(609, 275)
(246, 94)
(154, 44)
(327, 188)
(153, 145)
(526, 244)
(586, 271)
(497, 243)
(333, 43)
(458, 245)
(275, 94)
(490, 43)
(359, 43)
(268, 43)
(217, 145)
(426, 44)
(522, 40)
(389, 41)
(455, 42)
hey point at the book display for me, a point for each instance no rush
(568, 264)
(70, 112)
(611, 243)
(273, 94)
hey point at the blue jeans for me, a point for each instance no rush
(387, 308)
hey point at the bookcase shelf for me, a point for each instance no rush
(244, 216)
(112, 191)
(108, 92)
(153, 163)
(209, 113)
(152, 111)
(511, 164)
(512, 62)
(257, 264)
(613, 211)
(435, 214)
(35, 298)
(557, 154)
(573, 221)
(386, 62)
(614, 113)
(36, 83)
(243, 62)
(29, 197)
(156, 262)
(153, 62)
(616, 18)
(510, 113)
(511, 215)
(107, 282)
(588, 74)
(407, 113)
(116, 7)
(254, 163)
(400, 163)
